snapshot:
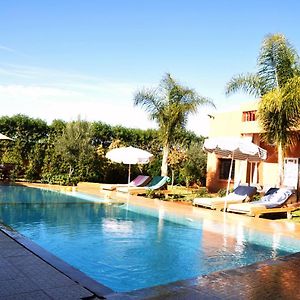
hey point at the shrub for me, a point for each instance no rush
(222, 192)
(202, 193)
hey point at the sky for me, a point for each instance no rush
(60, 59)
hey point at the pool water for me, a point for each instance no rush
(127, 248)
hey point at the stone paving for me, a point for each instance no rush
(277, 279)
(23, 275)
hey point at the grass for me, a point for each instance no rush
(180, 194)
(296, 216)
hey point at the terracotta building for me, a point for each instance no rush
(243, 123)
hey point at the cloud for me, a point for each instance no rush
(49, 103)
(107, 112)
(54, 94)
(27, 72)
(57, 103)
(69, 81)
(199, 123)
(61, 77)
(92, 102)
(7, 49)
(32, 92)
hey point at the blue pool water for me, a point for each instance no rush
(127, 248)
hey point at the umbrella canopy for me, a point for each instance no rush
(234, 148)
(4, 137)
(239, 148)
(129, 156)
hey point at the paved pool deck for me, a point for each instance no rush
(26, 275)
(269, 280)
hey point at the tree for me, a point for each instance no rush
(277, 83)
(26, 132)
(194, 168)
(75, 148)
(169, 105)
(176, 159)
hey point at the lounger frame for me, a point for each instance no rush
(258, 211)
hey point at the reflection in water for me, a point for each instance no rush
(160, 227)
(275, 244)
(117, 227)
(240, 238)
(123, 249)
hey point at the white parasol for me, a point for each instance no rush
(129, 156)
(234, 148)
(4, 137)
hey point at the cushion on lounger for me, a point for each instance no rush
(271, 190)
(245, 190)
(276, 199)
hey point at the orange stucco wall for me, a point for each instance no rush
(231, 124)
(224, 124)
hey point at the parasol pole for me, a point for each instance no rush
(229, 176)
(255, 174)
(129, 174)
(251, 173)
(228, 182)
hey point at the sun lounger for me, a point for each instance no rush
(240, 194)
(272, 202)
(157, 182)
(140, 180)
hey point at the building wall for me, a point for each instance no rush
(232, 124)
(225, 124)
(222, 124)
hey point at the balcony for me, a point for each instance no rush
(249, 122)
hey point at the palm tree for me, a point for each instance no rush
(169, 105)
(277, 83)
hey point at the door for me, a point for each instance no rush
(291, 172)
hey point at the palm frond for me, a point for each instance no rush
(170, 105)
(249, 83)
(278, 113)
(149, 100)
(168, 82)
(278, 61)
(291, 100)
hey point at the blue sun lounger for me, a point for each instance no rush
(272, 202)
(240, 194)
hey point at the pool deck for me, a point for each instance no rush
(268, 280)
(24, 275)
(29, 274)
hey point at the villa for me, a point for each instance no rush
(242, 122)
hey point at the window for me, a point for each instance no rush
(249, 116)
(225, 167)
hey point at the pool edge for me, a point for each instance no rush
(211, 286)
(74, 274)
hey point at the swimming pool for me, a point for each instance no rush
(127, 247)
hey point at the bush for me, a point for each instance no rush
(222, 192)
(62, 179)
(202, 193)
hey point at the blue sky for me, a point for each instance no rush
(64, 58)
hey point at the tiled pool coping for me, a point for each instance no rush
(269, 280)
(61, 266)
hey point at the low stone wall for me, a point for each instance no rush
(88, 185)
